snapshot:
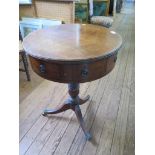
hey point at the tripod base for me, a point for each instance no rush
(72, 103)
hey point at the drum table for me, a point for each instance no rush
(73, 54)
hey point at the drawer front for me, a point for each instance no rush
(73, 72)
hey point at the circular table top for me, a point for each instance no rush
(72, 42)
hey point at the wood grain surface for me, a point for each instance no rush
(72, 42)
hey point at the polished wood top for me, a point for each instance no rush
(72, 42)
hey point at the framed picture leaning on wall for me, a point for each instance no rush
(25, 2)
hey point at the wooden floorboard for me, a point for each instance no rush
(121, 122)
(109, 114)
(129, 143)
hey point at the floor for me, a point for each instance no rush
(109, 115)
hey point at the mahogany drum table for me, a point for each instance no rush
(73, 54)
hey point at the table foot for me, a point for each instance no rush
(88, 136)
(78, 113)
(60, 109)
(83, 100)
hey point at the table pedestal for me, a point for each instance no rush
(73, 103)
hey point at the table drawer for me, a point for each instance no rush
(66, 72)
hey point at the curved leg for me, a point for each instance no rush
(62, 108)
(83, 100)
(78, 113)
(73, 103)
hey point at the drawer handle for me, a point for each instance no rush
(115, 58)
(84, 72)
(42, 68)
